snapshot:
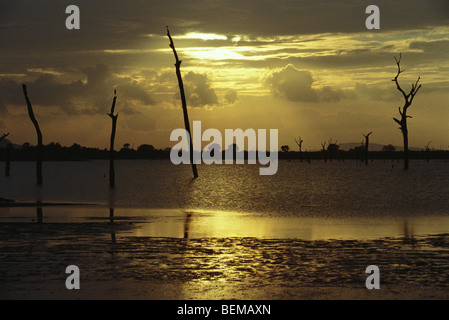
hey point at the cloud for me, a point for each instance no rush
(231, 96)
(199, 92)
(296, 85)
(374, 92)
(77, 97)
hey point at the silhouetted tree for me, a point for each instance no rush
(366, 146)
(332, 146)
(299, 142)
(7, 154)
(39, 136)
(408, 99)
(111, 145)
(323, 148)
(184, 103)
(8, 159)
(285, 148)
(427, 150)
(4, 136)
(145, 148)
(389, 148)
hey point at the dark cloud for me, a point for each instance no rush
(431, 47)
(111, 24)
(10, 93)
(199, 92)
(71, 98)
(296, 85)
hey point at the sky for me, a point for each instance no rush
(307, 68)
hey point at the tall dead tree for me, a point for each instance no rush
(408, 99)
(111, 145)
(366, 146)
(184, 103)
(39, 136)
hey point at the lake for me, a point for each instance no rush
(330, 199)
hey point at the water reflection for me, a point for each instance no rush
(409, 234)
(187, 222)
(39, 214)
(111, 214)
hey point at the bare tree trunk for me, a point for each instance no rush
(299, 142)
(39, 136)
(112, 140)
(8, 160)
(366, 147)
(405, 139)
(184, 104)
(408, 99)
(7, 154)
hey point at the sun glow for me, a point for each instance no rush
(203, 36)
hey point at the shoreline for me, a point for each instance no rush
(11, 203)
(116, 264)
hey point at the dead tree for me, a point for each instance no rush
(39, 136)
(7, 154)
(366, 146)
(408, 99)
(8, 160)
(299, 142)
(4, 136)
(184, 103)
(427, 150)
(323, 148)
(111, 145)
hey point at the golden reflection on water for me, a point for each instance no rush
(223, 224)
(195, 223)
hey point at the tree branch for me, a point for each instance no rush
(4, 136)
(399, 122)
(395, 79)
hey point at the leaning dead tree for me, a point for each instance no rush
(366, 146)
(111, 145)
(184, 104)
(408, 99)
(39, 136)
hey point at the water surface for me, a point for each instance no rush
(307, 201)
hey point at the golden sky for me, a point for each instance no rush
(306, 68)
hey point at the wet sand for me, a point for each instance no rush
(116, 263)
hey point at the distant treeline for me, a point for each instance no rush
(76, 152)
(342, 155)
